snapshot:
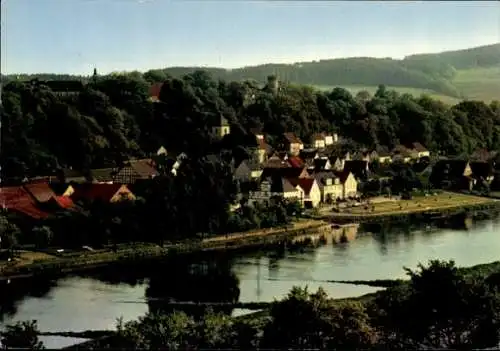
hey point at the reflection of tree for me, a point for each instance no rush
(217, 284)
(13, 292)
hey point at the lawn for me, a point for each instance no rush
(479, 83)
(417, 204)
(354, 89)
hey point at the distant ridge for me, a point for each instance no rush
(469, 73)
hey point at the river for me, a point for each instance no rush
(78, 303)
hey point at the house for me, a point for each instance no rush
(154, 92)
(453, 174)
(482, 171)
(350, 183)
(35, 200)
(285, 172)
(134, 170)
(310, 194)
(276, 162)
(17, 199)
(177, 162)
(248, 170)
(402, 154)
(274, 186)
(362, 155)
(68, 175)
(221, 128)
(292, 143)
(331, 139)
(331, 188)
(382, 156)
(102, 175)
(107, 193)
(358, 168)
(161, 151)
(318, 141)
(419, 150)
(309, 154)
(321, 164)
(262, 149)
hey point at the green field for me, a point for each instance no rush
(479, 83)
(354, 89)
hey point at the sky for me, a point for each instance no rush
(74, 36)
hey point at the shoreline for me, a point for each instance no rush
(317, 225)
(447, 204)
(73, 263)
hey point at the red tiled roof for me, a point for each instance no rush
(17, 199)
(261, 144)
(292, 138)
(41, 192)
(95, 191)
(296, 162)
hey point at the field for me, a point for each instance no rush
(354, 89)
(479, 83)
(418, 204)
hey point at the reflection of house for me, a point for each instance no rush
(221, 128)
(293, 143)
(107, 193)
(248, 170)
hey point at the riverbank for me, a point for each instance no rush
(431, 206)
(31, 263)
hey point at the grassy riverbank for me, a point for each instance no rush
(443, 203)
(29, 263)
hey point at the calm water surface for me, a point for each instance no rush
(94, 303)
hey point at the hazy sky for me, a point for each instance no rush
(73, 36)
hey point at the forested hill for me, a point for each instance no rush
(471, 73)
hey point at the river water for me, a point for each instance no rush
(80, 303)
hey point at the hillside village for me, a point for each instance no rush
(316, 175)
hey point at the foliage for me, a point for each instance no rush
(21, 335)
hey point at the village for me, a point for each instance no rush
(320, 175)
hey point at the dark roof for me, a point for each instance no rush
(286, 172)
(481, 169)
(356, 167)
(280, 184)
(452, 167)
(418, 147)
(320, 163)
(103, 174)
(308, 153)
(318, 136)
(144, 168)
(292, 138)
(305, 183)
(91, 192)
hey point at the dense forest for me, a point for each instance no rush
(434, 72)
(112, 119)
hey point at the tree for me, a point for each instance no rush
(43, 236)
(447, 309)
(304, 320)
(22, 335)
